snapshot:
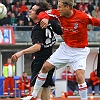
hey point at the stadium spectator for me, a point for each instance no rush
(16, 6)
(5, 21)
(14, 1)
(8, 5)
(24, 84)
(75, 5)
(50, 1)
(30, 26)
(98, 4)
(12, 19)
(90, 7)
(70, 83)
(20, 25)
(8, 73)
(28, 2)
(18, 15)
(94, 80)
(96, 13)
(27, 19)
(54, 4)
(82, 6)
(23, 8)
(93, 2)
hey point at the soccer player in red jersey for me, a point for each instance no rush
(74, 49)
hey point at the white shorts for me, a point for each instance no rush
(76, 57)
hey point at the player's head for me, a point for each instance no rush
(65, 7)
(9, 61)
(95, 71)
(68, 68)
(36, 9)
(24, 74)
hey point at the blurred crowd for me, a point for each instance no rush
(18, 12)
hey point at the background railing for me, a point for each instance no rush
(23, 35)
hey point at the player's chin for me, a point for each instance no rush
(30, 16)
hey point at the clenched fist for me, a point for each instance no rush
(14, 58)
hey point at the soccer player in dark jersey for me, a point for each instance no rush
(43, 41)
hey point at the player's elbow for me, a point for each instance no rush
(38, 47)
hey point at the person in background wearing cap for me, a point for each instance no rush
(74, 49)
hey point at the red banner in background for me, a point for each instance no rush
(7, 35)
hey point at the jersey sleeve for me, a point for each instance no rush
(56, 27)
(37, 36)
(92, 20)
(49, 14)
(93, 77)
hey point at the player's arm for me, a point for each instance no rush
(37, 42)
(93, 78)
(56, 27)
(34, 48)
(92, 20)
(48, 15)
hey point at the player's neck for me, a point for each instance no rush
(36, 20)
(70, 14)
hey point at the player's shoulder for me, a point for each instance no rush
(37, 30)
(78, 12)
(37, 27)
(6, 64)
(53, 22)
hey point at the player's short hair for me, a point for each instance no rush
(95, 70)
(68, 66)
(24, 72)
(43, 6)
(69, 3)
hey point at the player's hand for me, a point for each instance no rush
(17, 81)
(16, 56)
(44, 23)
(27, 85)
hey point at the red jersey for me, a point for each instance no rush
(64, 75)
(74, 27)
(23, 8)
(24, 81)
(93, 77)
(69, 75)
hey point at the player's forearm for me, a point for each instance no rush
(49, 14)
(32, 49)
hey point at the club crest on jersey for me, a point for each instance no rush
(75, 25)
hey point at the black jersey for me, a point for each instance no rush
(45, 37)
